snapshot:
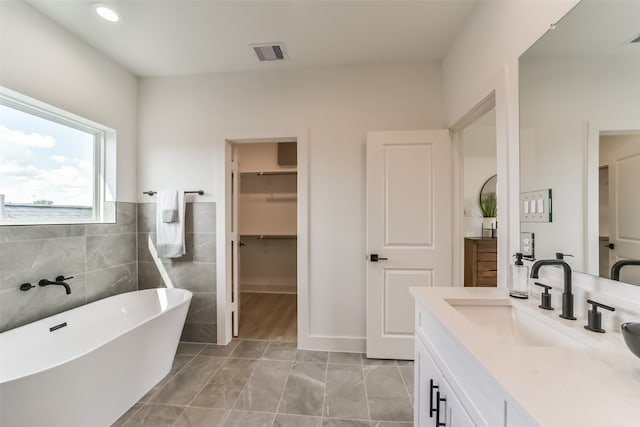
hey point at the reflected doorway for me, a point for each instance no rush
(619, 206)
(480, 201)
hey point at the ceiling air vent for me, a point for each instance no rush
(269, 51)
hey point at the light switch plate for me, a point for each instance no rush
(527, 245)
(539, 203)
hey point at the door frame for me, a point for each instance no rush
(502, 94)
(593, 131)
(222, 164)
(457, 138)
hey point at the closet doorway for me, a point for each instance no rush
(264, 256)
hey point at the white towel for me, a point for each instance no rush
(170, 237)
(169, 206)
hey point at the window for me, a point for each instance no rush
(53, 165)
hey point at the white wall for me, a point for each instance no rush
(559, 99)
(484, 61)
(181, 119)
(268, 265)
(45, 62)
(497, 33)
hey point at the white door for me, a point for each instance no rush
(409, 228)
(624, 209)
(235, 247)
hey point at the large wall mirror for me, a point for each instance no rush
(580, 136)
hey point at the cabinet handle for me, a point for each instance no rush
(440, 399)
(432, 386)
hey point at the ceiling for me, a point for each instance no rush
(174, 37)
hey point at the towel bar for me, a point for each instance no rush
(151, 193)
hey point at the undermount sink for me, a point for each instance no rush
(515, 324)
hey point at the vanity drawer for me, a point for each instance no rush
(487, 268)
(487, 246)
(487, 256)
(486, 282)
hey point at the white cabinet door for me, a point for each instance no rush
(409, 230)
(425, 387)
(515, 416)
(436, 404)
(454, 414)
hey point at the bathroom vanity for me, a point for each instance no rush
(484, 359)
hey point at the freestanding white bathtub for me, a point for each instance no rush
(85, 367)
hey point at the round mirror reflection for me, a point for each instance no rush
(488, 199)
(488, 202)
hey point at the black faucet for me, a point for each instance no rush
(567, 295)
(615, 268)
(60, 280)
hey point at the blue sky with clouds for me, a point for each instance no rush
(42, 159)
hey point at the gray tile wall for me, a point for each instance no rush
(101, 257)
(195, 271)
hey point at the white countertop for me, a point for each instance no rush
(557, 386)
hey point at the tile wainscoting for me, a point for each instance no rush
(101, 258)
(105, 260)
(195, 271)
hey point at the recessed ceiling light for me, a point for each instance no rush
(106, 13)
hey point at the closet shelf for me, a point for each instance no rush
(270, 236)
(270, 172)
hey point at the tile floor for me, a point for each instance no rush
(267, 383)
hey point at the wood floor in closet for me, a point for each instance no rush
(268, 316)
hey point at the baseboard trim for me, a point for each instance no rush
(332, 343)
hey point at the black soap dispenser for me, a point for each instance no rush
(519, 278)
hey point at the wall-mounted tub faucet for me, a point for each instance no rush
(567, 295)
(615, 268)
(60, 280)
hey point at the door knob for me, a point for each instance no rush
(611, 246)
(376, 258)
